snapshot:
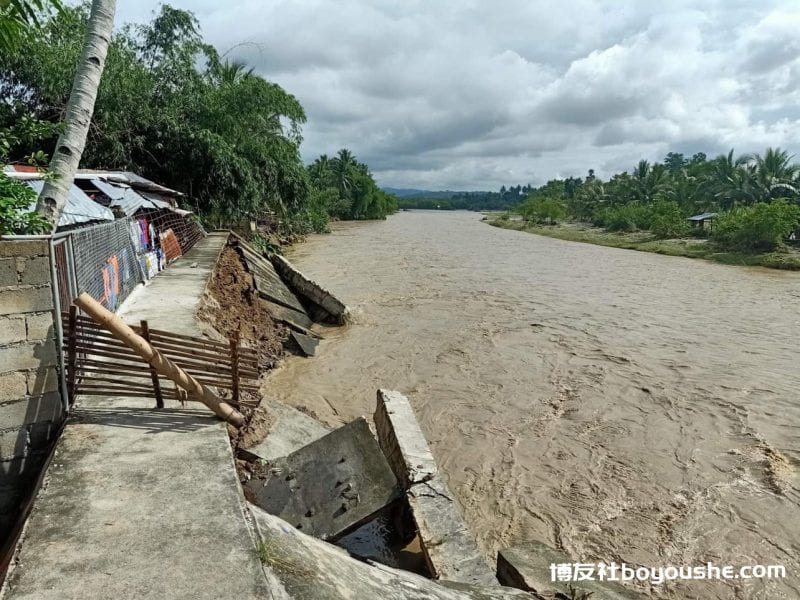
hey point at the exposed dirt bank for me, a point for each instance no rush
(232, 304)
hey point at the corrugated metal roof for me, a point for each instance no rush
(126, 199)
(703, 217)
(79, 209)
(136, 181)
(156, 199)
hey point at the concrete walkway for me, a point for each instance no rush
(142, 503)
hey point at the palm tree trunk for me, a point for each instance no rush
(80, 108)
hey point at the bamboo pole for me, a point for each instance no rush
(153, 357)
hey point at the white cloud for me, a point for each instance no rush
(471, 95)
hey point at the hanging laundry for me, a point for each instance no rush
(113, 287)
(114, 262)
(106, 275)
(169, 242)
(127, 264)
(136, 238)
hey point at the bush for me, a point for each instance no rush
(16, 200)
(758, 228)
(668, 221)
(629, 217)
(664, 219)
(542, 210)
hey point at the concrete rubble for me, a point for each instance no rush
(290, 430)
(327, 307)
(450, 549)
(301, 566)
(329, 487)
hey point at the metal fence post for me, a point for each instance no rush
(58, 327)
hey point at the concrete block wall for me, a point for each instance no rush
(31, 409)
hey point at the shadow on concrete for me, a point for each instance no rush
(150, 420)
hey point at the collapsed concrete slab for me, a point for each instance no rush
(300, 566)
(330, 486)
(283, 303)
(329, 308)
(528, 567)
(307, 344)
(290, 430)
(450, 550)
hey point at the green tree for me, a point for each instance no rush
(169, 108)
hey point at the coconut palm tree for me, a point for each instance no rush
(774, 173)
(343, 166)
(80, 108)
(233, 72)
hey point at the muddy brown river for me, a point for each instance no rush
(615, 404)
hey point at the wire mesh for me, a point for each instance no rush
(110, 259)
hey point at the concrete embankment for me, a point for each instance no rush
(142, 503)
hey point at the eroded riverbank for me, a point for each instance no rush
(616, 404)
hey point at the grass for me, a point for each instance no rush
(788, 259)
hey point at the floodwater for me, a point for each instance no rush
(614, 404)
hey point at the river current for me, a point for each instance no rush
(616, 405)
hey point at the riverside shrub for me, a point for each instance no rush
(757, 228)
(668, 220)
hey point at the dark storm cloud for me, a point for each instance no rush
(468, 94)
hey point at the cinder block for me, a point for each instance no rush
(24, 248)
(8, 272)
(28, 356)
(25, 300)
(34, 270)
(13, 443)
(42, 381)
(12, 330)
(46, 407)
(40, 326)
(12, 386)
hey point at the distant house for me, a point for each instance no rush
(699, 221)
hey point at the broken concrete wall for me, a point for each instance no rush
(329, 308)
(450, 549)
(301, 566)
(31, 409)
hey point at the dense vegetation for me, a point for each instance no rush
(344, 188)
(172, 109)
(502, 200)
(758, 198)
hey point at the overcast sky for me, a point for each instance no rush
(462, 94)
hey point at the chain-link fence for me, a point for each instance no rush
(110, 259)
(106, 263)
